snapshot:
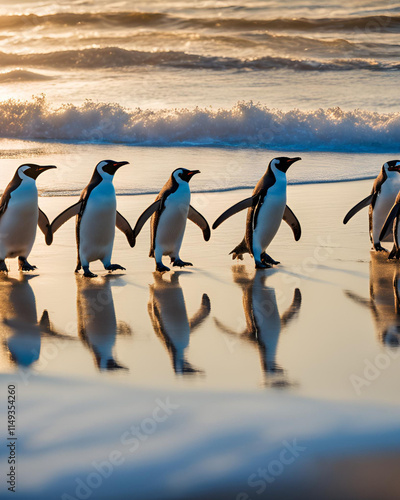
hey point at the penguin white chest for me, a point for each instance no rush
(97, 227)
(270, 213)
(268, 323)
(172, 222)
(19, 222)
(173, 316)
(383, 204)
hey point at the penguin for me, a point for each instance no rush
(19, 321)
(383, 301)
(169, 213)
(266, 209)
(96, 219)
(264, 323)
(20, 215)
(167, 311)
(383, 194)
(97, 324)
(391, 229)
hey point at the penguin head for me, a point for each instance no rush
(182, 175)
(392, 167)
(282, 163)
(108, 168)
(32, 171)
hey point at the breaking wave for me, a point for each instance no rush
(246, 124)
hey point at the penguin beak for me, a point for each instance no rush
(112, 167)
(36, 170)
(396, 168)
(119, 164)
(191, 173)
(289, 162)
(46, 167)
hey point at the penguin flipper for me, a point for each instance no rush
(45, 327)
(146, 215)
(293, 309)
(45, 227)
(238, 207)
(124, 226)
(228, 330)
(362, 204)
(201, 314)
(200, 221)
(291, 219)
(387, 226)
(66, 215)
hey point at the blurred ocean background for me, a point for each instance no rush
(238, 81)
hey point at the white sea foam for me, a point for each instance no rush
(247, 125)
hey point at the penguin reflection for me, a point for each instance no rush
(97, 323)
(263, 321)
(21, 329)
(384, 288)
(167, 311)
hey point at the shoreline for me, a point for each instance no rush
(57, 194)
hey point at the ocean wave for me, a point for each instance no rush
(366, 24)
(246, 124)
(22, 75)
(115, 57)
(223, 43)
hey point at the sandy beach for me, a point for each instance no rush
(330, 335)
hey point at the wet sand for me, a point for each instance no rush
(326, 314)
(252, 359)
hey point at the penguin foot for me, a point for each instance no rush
(238, 256)
(3, 267)
(181, 263)
(267, 259)
(114, 267)
(161, 268)
(23, 265)
(88, 273)
(262, 265)
(379, 248)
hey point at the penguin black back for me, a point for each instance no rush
(12, 186)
